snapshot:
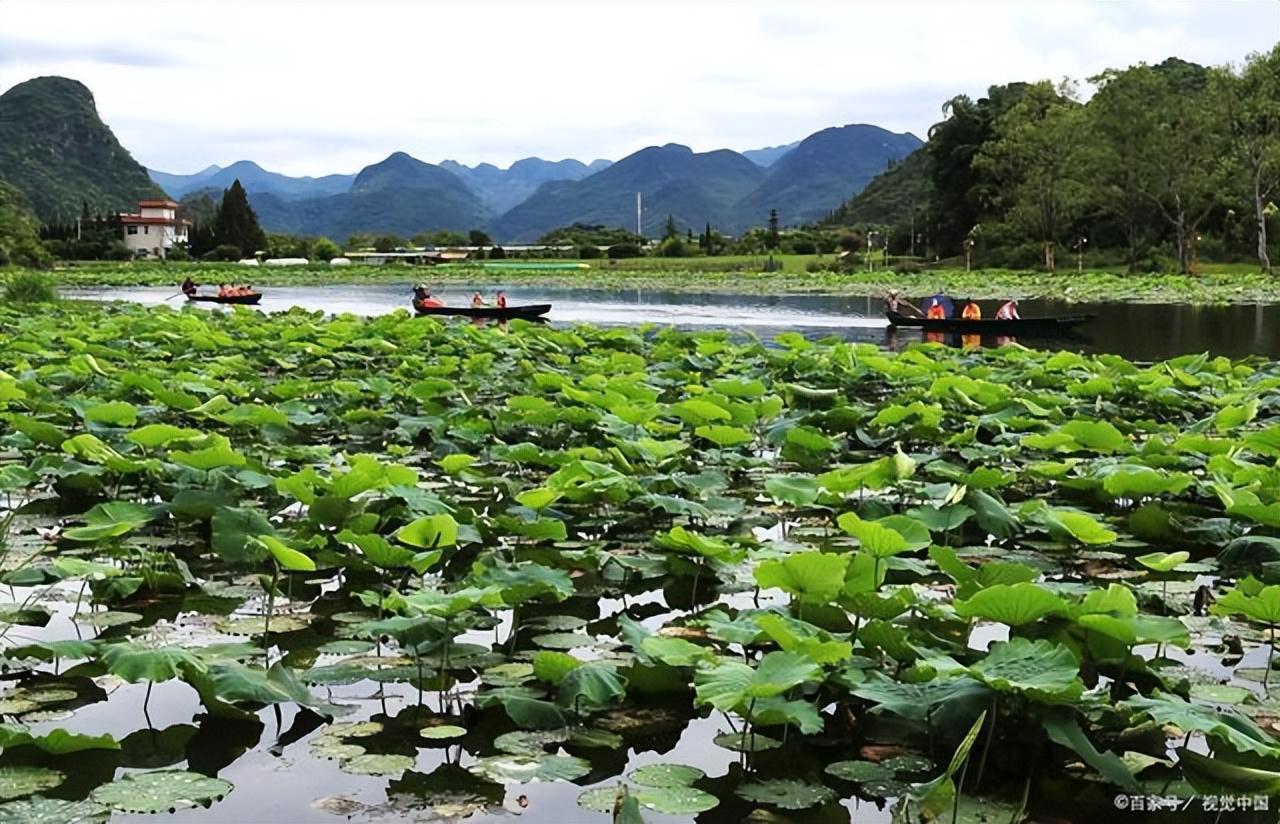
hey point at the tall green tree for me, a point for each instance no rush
(772, 239)
(19, 231)
(236, 224)
(1036, 161)
(669, 230)
(1121, 119)
(1252, 100)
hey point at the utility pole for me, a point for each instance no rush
(639, 232)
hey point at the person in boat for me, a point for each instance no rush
(223, 290)
(893, 302)
(945, 305)
(936, 310)
(189, 286)
(1009, 311)
(477, 301)
(501, 300)
(971, 310)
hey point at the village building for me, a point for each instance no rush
(154, 229)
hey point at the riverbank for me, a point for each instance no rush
(1221, 284)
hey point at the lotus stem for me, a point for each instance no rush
(266, 621)
(991, 733)
(1271, 651)
(747, 726)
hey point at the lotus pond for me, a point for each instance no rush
(291, 567)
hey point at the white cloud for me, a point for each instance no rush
(320, 87)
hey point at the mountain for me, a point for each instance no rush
(401, 195)
(58, 152)
(821, 172)
(769, 155)
(254, 179)
(502, 189)
(693, 188)
(891, 196)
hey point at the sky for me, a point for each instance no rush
(311, 87)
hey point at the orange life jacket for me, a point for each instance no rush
(971, 312)
(936, 312)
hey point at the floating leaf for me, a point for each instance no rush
(376, 764)
(666, 775)
(859, 771)
(52, 811)
(520, 769)
(161, 791)
(787, 793)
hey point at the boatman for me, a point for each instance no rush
(971, 310)
(477, 301)
(1008, 312)
(894, 301)
(189, 286)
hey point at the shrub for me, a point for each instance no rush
(672, 247)
(624, 250)
(497, 253)
(325, 249)
(804, 247)
(178, 254)
(908, 267)
(589, 252)
(30, 287)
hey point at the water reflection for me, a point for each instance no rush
(1136, 331)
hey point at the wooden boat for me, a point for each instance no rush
(531, 312)
(1059, 325)
(242, 300)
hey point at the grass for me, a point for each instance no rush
(29, 287)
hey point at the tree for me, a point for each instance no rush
(670, 231)
(1183, 155)
(1121, 119)
(479, 238)
(772, 240)
(1252, 99)
(19, 232)
(387, 243)
(325, 249)
(236, 224)
(1035, 159)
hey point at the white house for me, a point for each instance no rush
(154, 229)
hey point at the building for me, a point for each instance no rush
(154, 230)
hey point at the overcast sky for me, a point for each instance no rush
(311, 87)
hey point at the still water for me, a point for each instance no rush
(1133, 330)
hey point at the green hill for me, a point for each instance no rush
(813, 178)
(693, 188)
(58, 152)
(400, 195)
(889, 198)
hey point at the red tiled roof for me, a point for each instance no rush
(163, 204)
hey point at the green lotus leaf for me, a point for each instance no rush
(1263, 607)
(732, 683)
(371, 763)
(16, 782)
(917, 701)
(232, 529)
(1064, 729)
(1042, 669)
(751, 742)
(884, 539)
(665, 775)
(55, 742)
(674, 652)
(1012, 604)
(552, 667)
(160, 791)
(1229, 726)
(41, 810)
(1213, 776)
(110, 520)
(161, 434)
(675, 800)
(859, 771)
(724, 436)
(430, 532)
(786, 793)
(1232, 417)
(1163, 561)
(796, 490)
(112, 413)
(135, 663)
(522, 769)
(215, 456)
(812, 577)
(329, 748)
(539, 498)
(442, 732)
(592, 686)
(1137, 481)
(286, 556)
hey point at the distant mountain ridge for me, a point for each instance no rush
(57, 151)
(254, 179)
(768, 155)
(503, 189)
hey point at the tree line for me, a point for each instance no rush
(1174, 160)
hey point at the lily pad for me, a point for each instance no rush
(442, 731)
(40, 810)
(520, 769)
(752, 742)
(16, 782)
(161, 791)
(908, 764)
(859, 771)
(377, 764)
(787, 793)
(665, 775)
(256, 625)
(675, 800)
(334, 749)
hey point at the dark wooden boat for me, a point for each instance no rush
(242, 300)
(531, 312)
(1059, 325)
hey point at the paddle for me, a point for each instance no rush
(171, 297)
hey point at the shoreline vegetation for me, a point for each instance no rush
(1217, 284)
